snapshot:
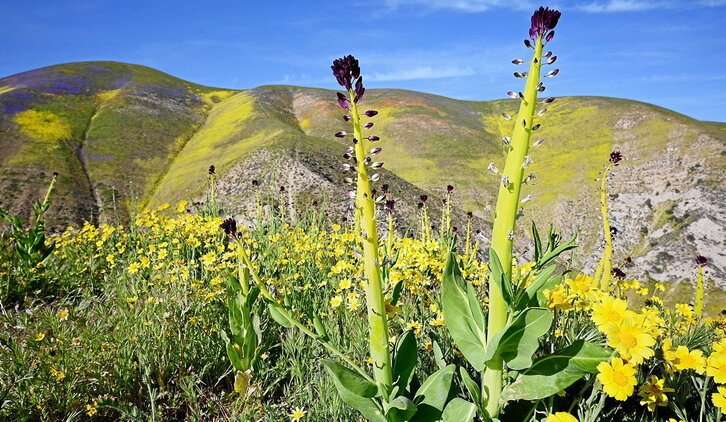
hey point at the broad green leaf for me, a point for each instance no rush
(518, 341)
(405, 357)
(355, 390)
(459, 410)
(438, 355)
(553, 373)
(529, 298)
(464, 317)
(278, 316)
(537, 242)
(498, 273)
(400, 409)
(471, 385)
(433, 394)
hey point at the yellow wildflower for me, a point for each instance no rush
(62, 314)
(91, 409)
(716, 366)
(609, 310)
(182, 206)
(39, 337)
(561, 417)
(297, 414)
(336, 301)
(557, 298)
(683, 359)
(652, 393)
(630, 339)
(719, 398)
(617, 378)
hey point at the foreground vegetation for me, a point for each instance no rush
(187, 316)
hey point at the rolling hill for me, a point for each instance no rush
(124, 137)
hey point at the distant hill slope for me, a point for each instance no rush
(125, 137)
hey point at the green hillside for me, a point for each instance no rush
(125, 137)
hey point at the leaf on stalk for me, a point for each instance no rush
(463, 314)
(553, 373)
(355, 390)
(518, 341)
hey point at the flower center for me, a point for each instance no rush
(628, 340)
(619, 378)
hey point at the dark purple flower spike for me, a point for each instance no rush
(544, 20)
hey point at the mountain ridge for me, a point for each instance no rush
(149, 138)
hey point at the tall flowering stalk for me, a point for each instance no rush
(605, 267)
(701, 261)
(347, 72)
(541, 32)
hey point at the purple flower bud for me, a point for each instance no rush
(512, 94)
(517, 61)
(348, 180)
(449, 189)
(701, 260)
(341, 134)
(547, 54)
(424, 198)
(351, 194)
(376, 165)
(345, 70)
(542, 112)
(535, 127)
(384, 188)
(390, 204)
(373, 138)
(370, 113)
(538, 142)
(520, 95)
(518, 75)
(359, 90)
(549, 36)
(282, 189)
(544, 20)
(506, 116)
(549, 100)
(347, 156)
(528, 43)
(552, 60)
(211, 170)
(343, 101)
(346, 117)
(553, 72)
(376, 150)
(616, 157)
(345, 167)
(255, 183)
(368, 125)
(375, 177)
(229, 226)
(618, 273)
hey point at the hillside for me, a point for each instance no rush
(125, 137)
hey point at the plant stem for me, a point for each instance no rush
(505, 220)
(375, 302)
(700, 292)
(604, 268)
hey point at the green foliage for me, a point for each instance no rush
(553, 373)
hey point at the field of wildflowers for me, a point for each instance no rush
(186, 315)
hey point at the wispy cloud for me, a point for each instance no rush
(422, 72)
(471, 6)
(623, 6)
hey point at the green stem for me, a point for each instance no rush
(605, 267)
(505, 220)
(375, 302)
(700, 292)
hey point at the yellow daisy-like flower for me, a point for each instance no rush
(617, 378)
(336, 301)
(297, 414)
(716, 366)
(630, 338)
(652, 393)
(683, 359)
(39, 337)
(557, 298)
(561, 417)
(719, 398)
(609, 310)
(583, 286)
(62, 314)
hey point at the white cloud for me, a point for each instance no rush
(422, 72)
(471, 6)
(622, 6)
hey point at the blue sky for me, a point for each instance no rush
(666, 52)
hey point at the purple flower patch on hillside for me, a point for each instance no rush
(17, 100)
